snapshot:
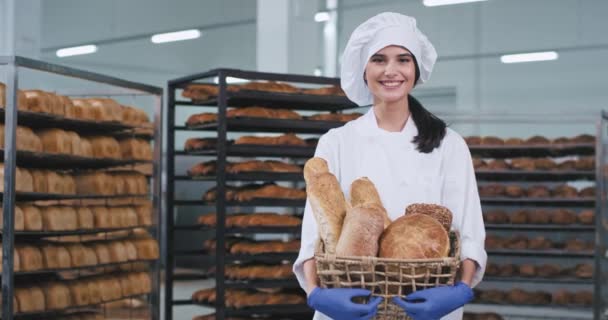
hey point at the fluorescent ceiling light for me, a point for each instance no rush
(322, 16)
(529, 57)
(74, 51)
(230, 80)
(176, 36)
(435, 3)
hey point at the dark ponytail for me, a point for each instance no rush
(431, 129)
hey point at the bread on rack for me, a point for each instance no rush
(201, 118)
(147, 249)
(523, 164)
(497, 164)
(25, 300)
(241, 298)
(496, 216)
(105, 147)
(564, 191)
(583, 139)
(473, 140)
(18, 218)
(492, 141)
(269, 191)
(269, 86)
(193, 144)
(145, 213)
(252, 272)
(21, 98)
(516, 243)
(106, 109)
(507, 270)
(203, 91)
(38, 101)
(102, 251)
(261, 166)
(537, 140)
(526, 270)
(85, 218)
(246, 247)
(55, 141)
(514, 142)
(563, 216)
(335, 90)
(544, 164)
(479, 164)
(539, 216)
(95, 183)
(23, 181)
(285, 140)
(586, 217)
(56, 295)
(204, 168)
(26, 139)
(56, 257)
(118, 252)
(583, 271)
(337, 117)
(514, 191)
(252, 220)
(539, 243)
(548, 270)
(538, 191)
(59, 218)
(587, 192)
(491, 190)
(135, 149)
(30, 258)
(566, 165)
(83, 110)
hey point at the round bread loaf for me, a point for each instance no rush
(415, 236)
(439, 213)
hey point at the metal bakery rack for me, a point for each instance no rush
(219, 259)
(14, 72)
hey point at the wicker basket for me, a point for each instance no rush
(387, 277)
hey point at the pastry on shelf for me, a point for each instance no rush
(265, 247)
(493, 296)
(134, 116)
(497, 164)
(270, 191)
(564, 191)
(583, 298)
(560, 140)
(193, 144)
(491, 190)
(537, 140)
(514, 191)
(204, 168)
(201, 118)
(538, 191)
(262, 112)
(507, 270)
(211, 194)
(494, 242)
(479, 164)
(588, 192)
(492, 141)
(583, 139)
(514, 142)
(492, 269)
(338, 117)
(583, 271)
(325, 91)
(21, 98)
(561, 297)
(539, 243)
(585, 163)
(26, 139)
(586, 216)
(473, 140)
(519, 216)
(563, 216)
(539, 216)
(282, 271)
(517, 243)
(269, 86)
(567, 165)
(284, 140)
(204, 91)
(496, 216)
(544, 164)
(576, 245)
(539, 298)
(257, 219)
(523, 164)
(262, 166)
(526, 270)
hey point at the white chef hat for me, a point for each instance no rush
(371, 36)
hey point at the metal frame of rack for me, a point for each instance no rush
(600, 294)
(10, 114)
(224, 150)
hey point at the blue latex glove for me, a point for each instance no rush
(434, 303)
(337, 304)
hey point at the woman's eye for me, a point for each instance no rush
(404, 60)
(377, 60)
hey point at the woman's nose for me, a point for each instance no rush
(390, 69)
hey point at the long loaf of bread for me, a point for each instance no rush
(327, 201)
(363, 226)
(363, 192)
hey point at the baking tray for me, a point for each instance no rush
(536, 175)
(245, 230)
(253, 150)
(33, 196)
(549, 202)
(262, 202)
(269, 257)
(249, 124)
(541, 227)
(299, 101)
(38, 234)
(547, 150)
(262, 283)
(28, 159)
(84, 268)
(248, 176)
(560, 280)
(44, 120)
(540, 253)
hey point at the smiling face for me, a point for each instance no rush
(390, 74)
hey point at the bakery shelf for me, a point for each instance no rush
(537, 175)
(252, 150)
(246, 230)
(262, 283)
(83, 268)
(541, 227)
(248, 124)
(557, 202)
(540, 253)
(47, 314)
(526, 312)
(256, 202)
(549, 150)
(45, 120)
(248, 176)
(557, 280)
(33, 196)
(267, 257)
(275, 309)
(28, 159)
(39, 234)
(296, 101)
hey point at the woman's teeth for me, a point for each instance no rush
(391, 84)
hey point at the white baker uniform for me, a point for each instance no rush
(402, 176)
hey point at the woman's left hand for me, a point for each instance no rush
(434, 303)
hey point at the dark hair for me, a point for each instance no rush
(431, 129)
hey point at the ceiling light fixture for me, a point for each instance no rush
(75, 51)
(322, 16)
(435, 3)
(529, 57)
(176, 36)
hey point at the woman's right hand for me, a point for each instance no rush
(337, 303)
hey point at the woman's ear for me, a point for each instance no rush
(364, 80)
